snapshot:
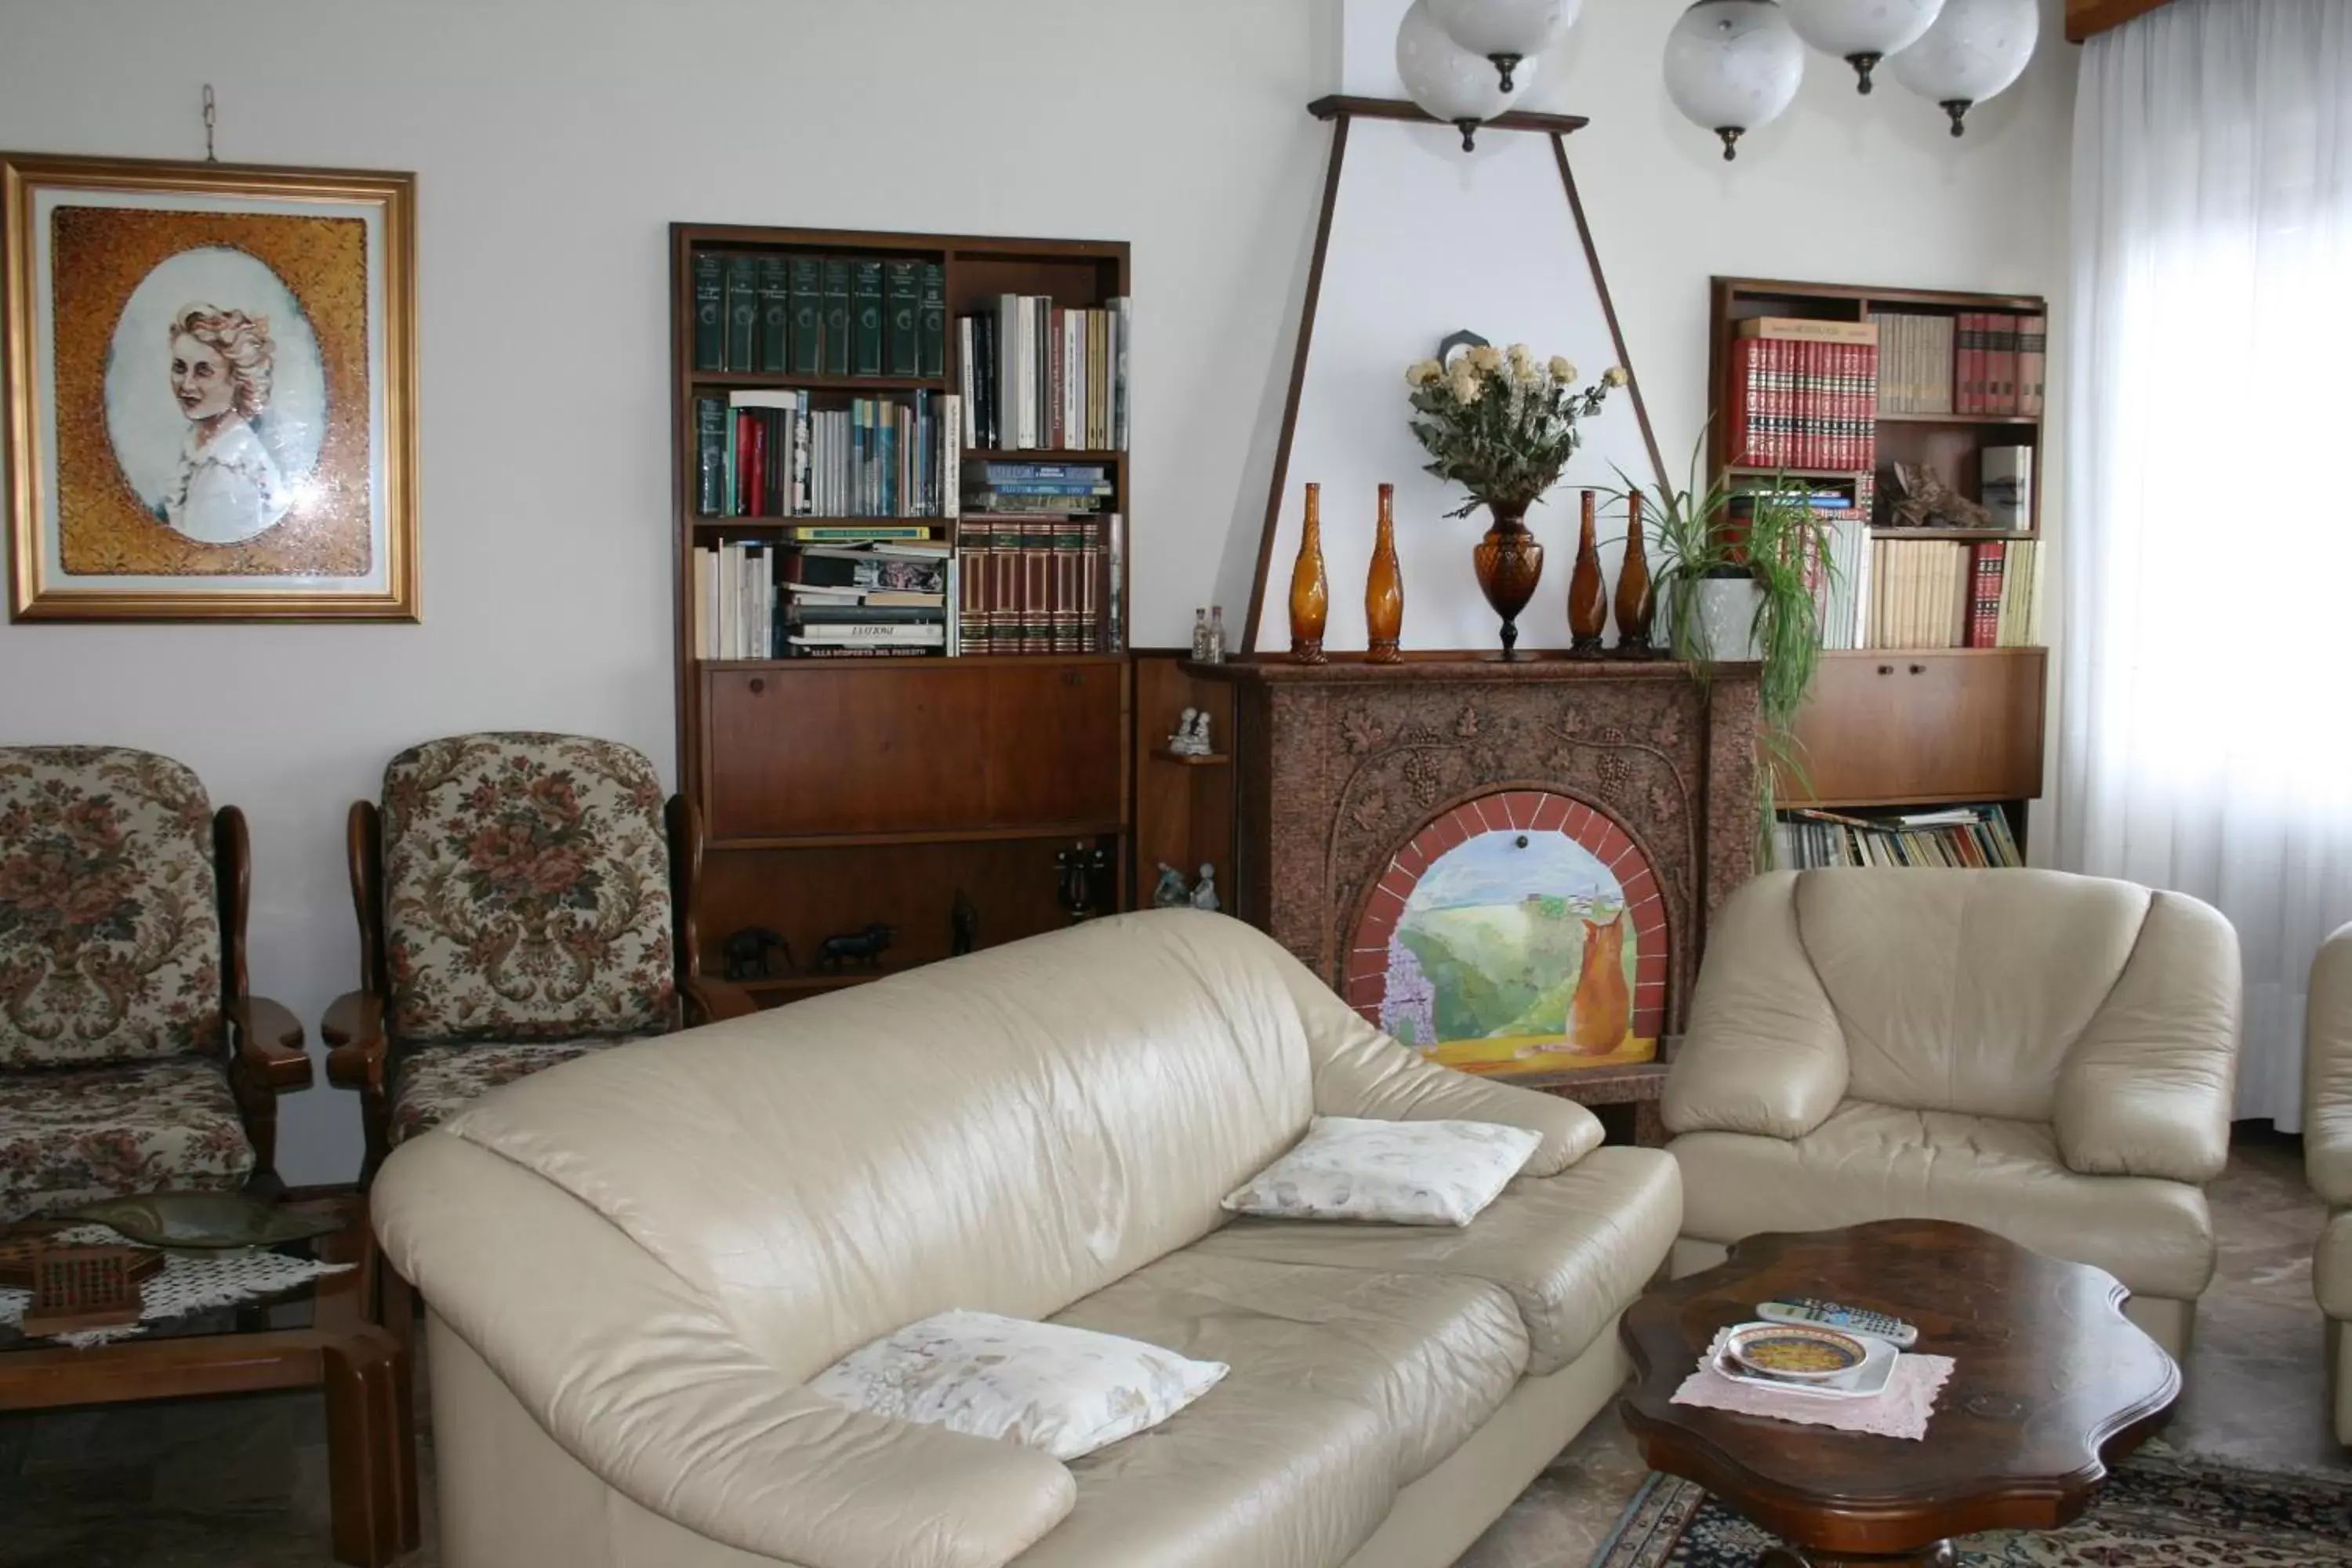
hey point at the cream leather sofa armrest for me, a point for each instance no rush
(640, 1378)
(2327, 1073)
(1764, 1053)
(2147, 1089)
(1360, 1071)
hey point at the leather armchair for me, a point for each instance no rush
(134, 1056)
(2328, 1156)
(2046, 1055)
(522, 899)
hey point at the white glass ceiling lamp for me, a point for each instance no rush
(1447, 80)
(1504, 31)
(1732, 65)
(1976, 48)
(1861, 32)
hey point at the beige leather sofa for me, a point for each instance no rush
(2328, 1156)
(635, 1260)
(2046, 1055)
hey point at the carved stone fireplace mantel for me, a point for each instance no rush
(1350, 777)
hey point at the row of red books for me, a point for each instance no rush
(1999, 362)
(1804, 403)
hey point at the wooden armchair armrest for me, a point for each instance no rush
(353, 1026)
(269, 1041)
(712, 1001)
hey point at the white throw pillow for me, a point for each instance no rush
(1066, 1391)
(1405, 1172)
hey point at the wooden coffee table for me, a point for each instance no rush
(321, 1335)
(2052, 1384)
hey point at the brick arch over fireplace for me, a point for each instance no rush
(1520, 931)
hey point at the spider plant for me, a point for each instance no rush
(1781, 545)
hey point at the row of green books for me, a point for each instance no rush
(787, 314)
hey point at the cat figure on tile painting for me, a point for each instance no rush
(1601, 1011)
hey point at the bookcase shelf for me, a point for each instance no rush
(839, 793)
(2031, 421)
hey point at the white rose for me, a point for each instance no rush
(1485, 356)
(1616, 375)
(1561, 370)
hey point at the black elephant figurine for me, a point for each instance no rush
(746, 954)
(867, 945)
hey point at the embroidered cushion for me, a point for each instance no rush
(109, 929)
(432, 1083)
(72, 1135)
(1066, 1391)
(526, 890)
(1404, 1173)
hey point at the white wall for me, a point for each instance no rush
(554, 140)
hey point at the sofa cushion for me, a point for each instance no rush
(1571, 1250)
(1404, 1172)
(74, 1135)
(1869, 1162)
(1431, 1355)
(109, 930)
(432, 1083)
(2331, 1268)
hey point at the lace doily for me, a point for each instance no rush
(190, 1282)
(1899, 1410)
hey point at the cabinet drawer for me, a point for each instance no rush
(946, 748)
(1887, 727)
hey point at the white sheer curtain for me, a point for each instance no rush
(2206, 732)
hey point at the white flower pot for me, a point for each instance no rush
(1726, 608)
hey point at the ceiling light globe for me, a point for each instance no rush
(1732, 65)
(1504, 31)
(1861, 32)
(1447, 80)
(1974, 49)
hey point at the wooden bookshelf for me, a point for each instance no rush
(1889, 728)
(837, 794)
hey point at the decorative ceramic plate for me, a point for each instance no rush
(205, 1219)
(1794, 1353)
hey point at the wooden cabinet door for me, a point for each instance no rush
(1885, 727)
(827, 750)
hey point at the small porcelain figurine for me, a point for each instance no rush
(1199, 739)
(1180, 740)
(1204, 893)
(1170, 893)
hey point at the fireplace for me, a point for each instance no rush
(1506, 864)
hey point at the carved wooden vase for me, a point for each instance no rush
(1310, 588)
(1637, 598)
(1510, 564)
(1588, 590)
(1384, 589)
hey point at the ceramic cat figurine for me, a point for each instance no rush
(1601, 1011)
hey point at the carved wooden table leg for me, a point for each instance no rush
(370, 1448)
(1943, 1554)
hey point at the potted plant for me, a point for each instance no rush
(1502, 426)
(1741, 566)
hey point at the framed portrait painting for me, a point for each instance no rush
(211, 386)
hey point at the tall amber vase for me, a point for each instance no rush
(1588, 590)
(1637, 600)
(1384, 589)
(1510, 564)
(1310, 588)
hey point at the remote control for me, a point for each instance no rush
(1831, 1315)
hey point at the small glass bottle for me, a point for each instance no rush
(1216, 633)
(1200, 635)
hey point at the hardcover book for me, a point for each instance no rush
(807, 286)
(775, 312)
(866, 288)
(902, 331)
(710, 311)
(743, 284)
(837, 315)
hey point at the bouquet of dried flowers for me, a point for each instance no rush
(1501, 423)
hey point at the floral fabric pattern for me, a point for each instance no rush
(1401, 1173)
(74, 1135)
(1066, 1391)
(109, 928)
(527, 890)
(433, 1083)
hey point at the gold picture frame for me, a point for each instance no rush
(210, 378)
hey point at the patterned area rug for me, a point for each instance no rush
(2155, 1511)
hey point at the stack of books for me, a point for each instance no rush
(826, 593)
(1898, 593)
(782, 313)
(1961, 837)
(771, 454)
(1040, 584)
(1914, 363)
(1999, 362)
(1037, 376)
(1803, 395)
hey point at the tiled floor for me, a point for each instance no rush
(242, 1483)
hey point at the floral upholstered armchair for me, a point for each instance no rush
(133, 1059)
(523, 899)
